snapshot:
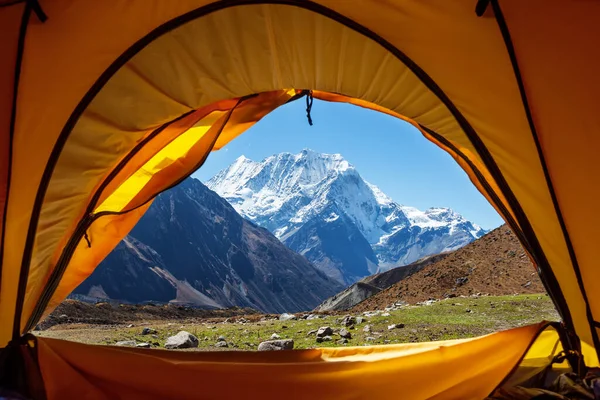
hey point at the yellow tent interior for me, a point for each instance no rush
(106, 103)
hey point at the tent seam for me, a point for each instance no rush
(13, 121)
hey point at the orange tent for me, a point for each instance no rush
(104, 104)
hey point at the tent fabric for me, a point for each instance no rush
(411, 371)
(105, 104)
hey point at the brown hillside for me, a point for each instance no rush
(496, 264)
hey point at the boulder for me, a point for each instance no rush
(348, 320)
(183, 340)
(127, 343)
(324, 331)
(221, 338)
(311, 332)
(359, 320)
(275, 336)
(287, 317)
(367, 328)
(221, 344)
(343, 341)
(148, 331)
(370, 339)
(313, 316)
(275, 345)
(345, 334)
(143, 345)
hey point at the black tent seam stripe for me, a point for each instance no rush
(557, 299)
(502, 24)
(532, 243)
(13, 120)
(88, 219)
(11, 3)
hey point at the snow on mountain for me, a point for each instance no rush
(286, 192)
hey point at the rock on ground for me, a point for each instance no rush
(143, 345)
(287, 317)
(148, 331)
(324, 331)
(321, 339)
(129, 343)
(275, 345)
(312, 332)
(348, 320)
(367, 328)
(275, 336)
(345, 334)
(183, 340)
(395, 326)
(221, 344)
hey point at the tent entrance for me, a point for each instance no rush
(123, 99)
(175, 78)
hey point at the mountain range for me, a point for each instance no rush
(192, 247)
(320, 206)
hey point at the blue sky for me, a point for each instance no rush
(385, 151)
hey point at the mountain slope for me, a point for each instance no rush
(192, 247)
(298, 194)
(495, 264)
(374, 284)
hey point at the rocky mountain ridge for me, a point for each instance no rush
(320, 206)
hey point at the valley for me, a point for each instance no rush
(291, 234)
(446, 319)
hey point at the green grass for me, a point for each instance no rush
(447, 319)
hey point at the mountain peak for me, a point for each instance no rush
(242, 159)
(286, 191)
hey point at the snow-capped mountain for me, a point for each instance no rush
(320, 206)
